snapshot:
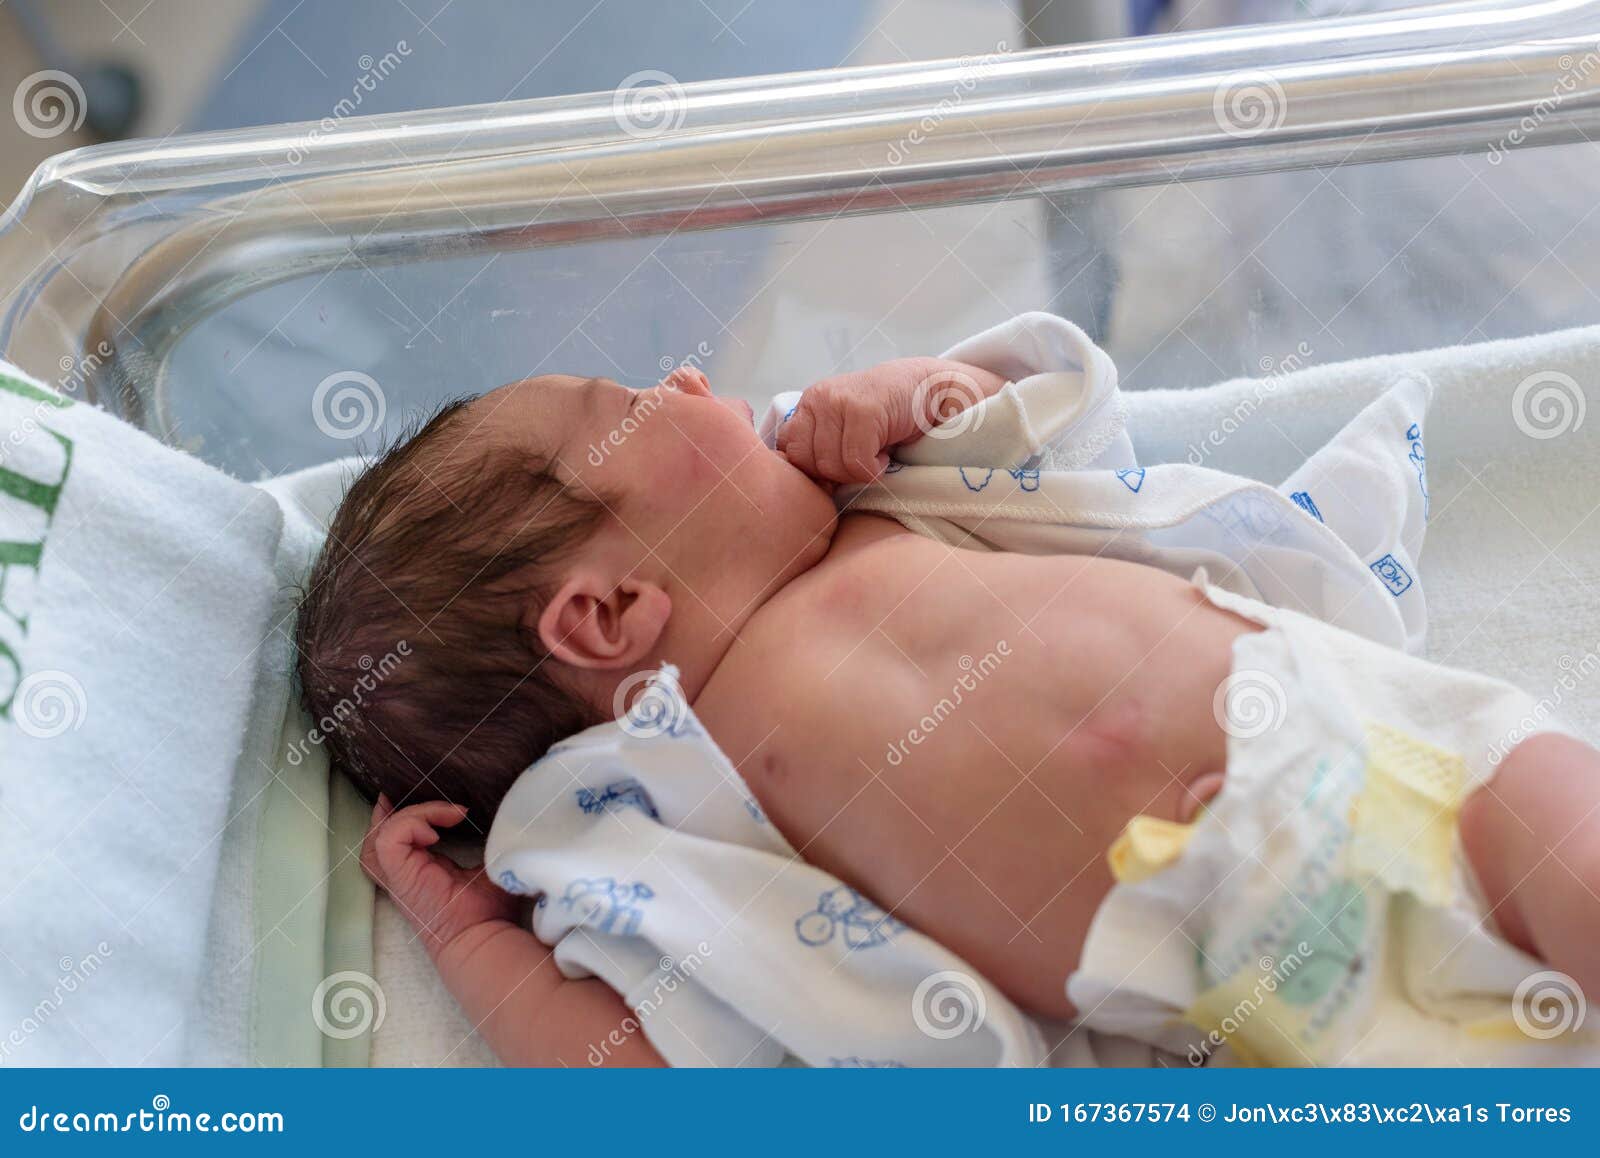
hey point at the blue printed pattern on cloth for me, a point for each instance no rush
(846, 913)
(1393, 576)
(1419, 460)
(619, 794)
(607, 905)
(975, 479)
(1303, 500)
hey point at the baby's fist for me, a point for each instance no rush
(439, 897)
(844, 427)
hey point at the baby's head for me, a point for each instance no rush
(490, 581)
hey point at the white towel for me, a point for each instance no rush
(136, 584)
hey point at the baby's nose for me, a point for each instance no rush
(688, 380)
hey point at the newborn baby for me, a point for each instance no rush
(541, 545)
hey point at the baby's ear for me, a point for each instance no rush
(600, 624)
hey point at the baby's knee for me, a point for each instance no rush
(1547, 788)
(1535, 827)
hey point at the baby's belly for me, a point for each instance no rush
(962, 736)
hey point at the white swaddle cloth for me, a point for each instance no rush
(658, 872)
(654, 867)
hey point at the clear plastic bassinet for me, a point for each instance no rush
(1222, 203)
(1240, 203)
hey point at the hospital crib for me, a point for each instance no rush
(1260, 203)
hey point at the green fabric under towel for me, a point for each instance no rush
(315, 1001)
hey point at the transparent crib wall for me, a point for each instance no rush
(1186, 283)
(1208, 205)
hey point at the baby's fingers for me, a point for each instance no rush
(795, 439)
(397, 835)
(861, 446)
(417, 826)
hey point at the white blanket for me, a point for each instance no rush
(648, 851)
(136, 585)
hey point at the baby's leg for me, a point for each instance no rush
(1532, 835)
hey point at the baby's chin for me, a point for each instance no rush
(802, 502)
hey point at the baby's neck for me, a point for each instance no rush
(702, 631)
(704, 648)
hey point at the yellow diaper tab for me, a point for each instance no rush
(1147, 845)
(1404, 820)
(1248, 1016)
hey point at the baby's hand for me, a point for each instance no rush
(439, 897)
(844, 427)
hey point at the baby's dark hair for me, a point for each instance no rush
(414, 666)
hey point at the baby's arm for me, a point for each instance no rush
(843, 428)
(503, 977)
